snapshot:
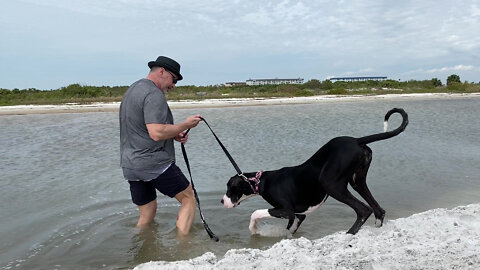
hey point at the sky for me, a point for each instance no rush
(48, 44)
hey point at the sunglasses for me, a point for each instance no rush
(174, 78)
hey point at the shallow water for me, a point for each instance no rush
(66, 205)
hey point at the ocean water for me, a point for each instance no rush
(64, 202)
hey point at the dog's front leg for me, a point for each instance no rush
(284, 213)
(256, 216)
(300, 218)
(274, 212)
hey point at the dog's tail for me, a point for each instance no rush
(386, 135)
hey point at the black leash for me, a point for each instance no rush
(210, 233)
(224, 150)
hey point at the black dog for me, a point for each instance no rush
(295, 191)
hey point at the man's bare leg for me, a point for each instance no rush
(147, 213)
(186, 214)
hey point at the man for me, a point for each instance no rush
(147, 152)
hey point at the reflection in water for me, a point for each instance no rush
(146, 244)
(149, 243)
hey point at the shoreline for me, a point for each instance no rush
(232, 102)
(435, 239)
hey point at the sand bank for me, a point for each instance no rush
(210, 103)
(436, 239)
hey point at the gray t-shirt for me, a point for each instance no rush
(142, 104)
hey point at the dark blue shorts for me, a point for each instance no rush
(170, 183)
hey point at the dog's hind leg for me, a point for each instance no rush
(362, 210)
(362, 189)
(359, 183)
(336, 186)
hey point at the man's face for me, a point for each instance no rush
(169, 80)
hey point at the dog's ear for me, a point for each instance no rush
(238, 186)
(234, 183)
(238, 189)
(236, 179)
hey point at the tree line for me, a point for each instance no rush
(76, 93)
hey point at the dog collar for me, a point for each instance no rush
(255, 179)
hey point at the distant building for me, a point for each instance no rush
(229, 84)
(356, 79)
(274, 81)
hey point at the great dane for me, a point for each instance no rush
(296, 191)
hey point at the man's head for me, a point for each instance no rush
(164, 72)
(169, 64)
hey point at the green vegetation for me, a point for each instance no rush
(76, 93)
(454, 78)
(73, 93)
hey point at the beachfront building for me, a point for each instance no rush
(357, 79)
(274, 81)
(229, 84)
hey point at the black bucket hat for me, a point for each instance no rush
(167, 63)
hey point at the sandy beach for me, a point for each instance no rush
(435, 239)
(227, 102)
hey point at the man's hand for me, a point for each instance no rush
(182, 137)
(192, 121)
(165, 131)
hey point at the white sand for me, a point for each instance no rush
(436, 239)
(107, 107)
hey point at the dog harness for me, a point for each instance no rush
(255, 179)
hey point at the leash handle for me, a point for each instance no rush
(224, 149)
(205, 225)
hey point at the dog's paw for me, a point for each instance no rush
(378, 223)
(253, 227)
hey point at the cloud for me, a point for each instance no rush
(450, 69)
(466, 72)
(230, 40)
(341, 28)
(363, 71)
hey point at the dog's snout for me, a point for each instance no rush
(227, 202)
(221, 201)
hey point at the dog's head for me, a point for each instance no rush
(238, 189)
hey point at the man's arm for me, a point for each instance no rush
(166, 131)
